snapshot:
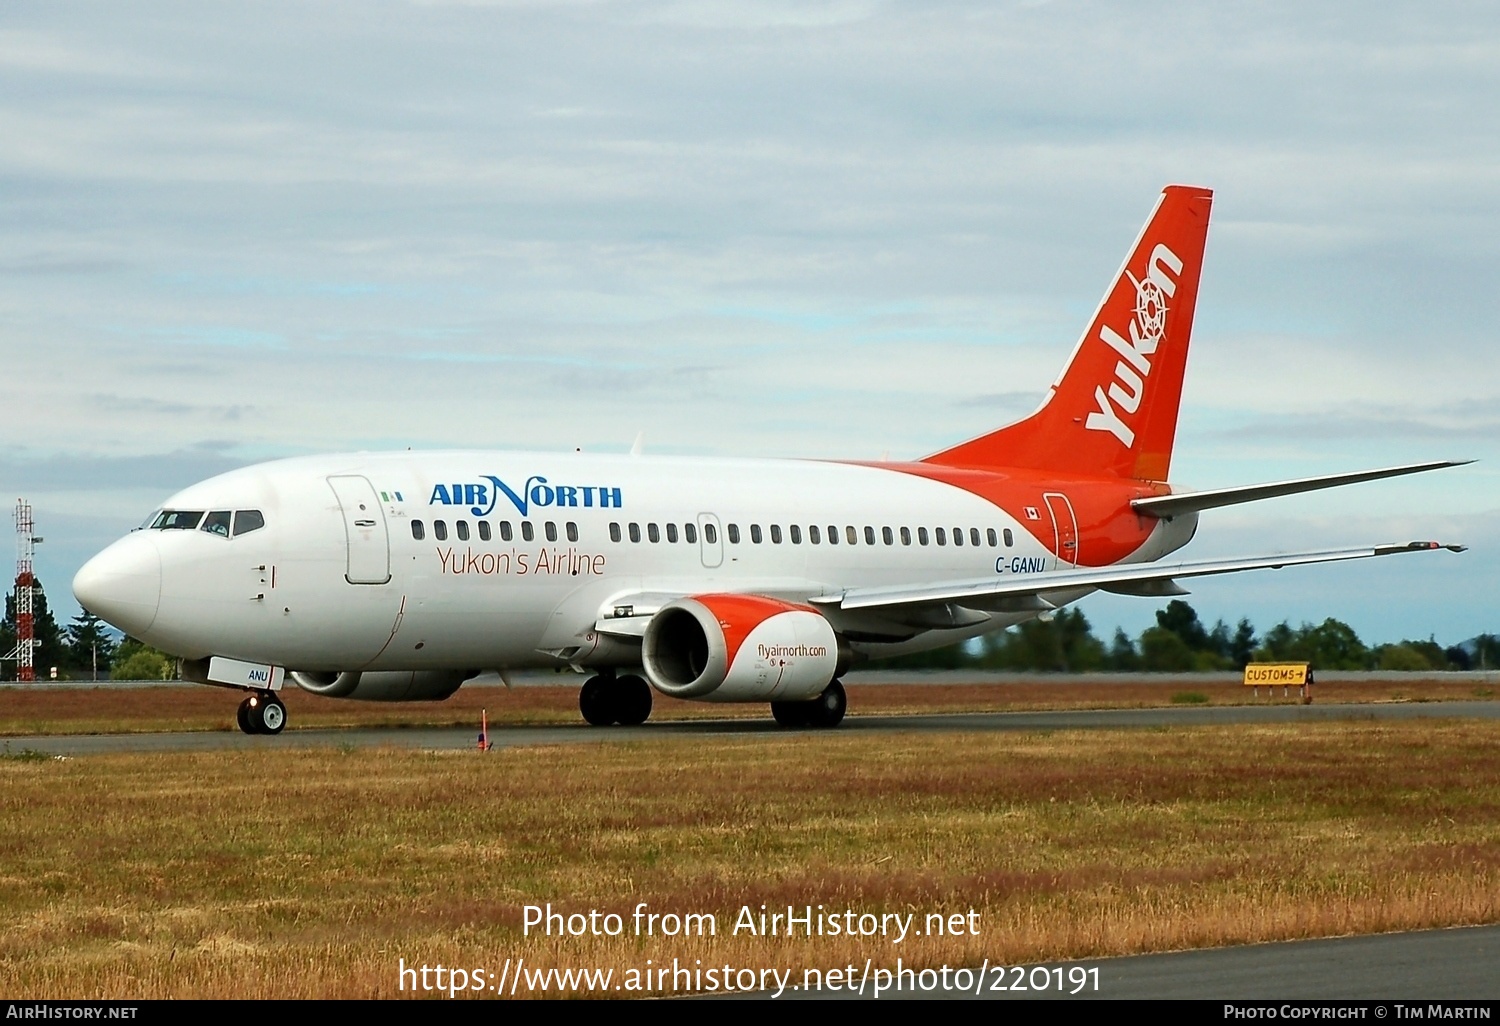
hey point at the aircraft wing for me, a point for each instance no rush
(1025, 592)
(1167, 506)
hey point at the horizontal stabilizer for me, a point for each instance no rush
(983, 593)
(1168, 506)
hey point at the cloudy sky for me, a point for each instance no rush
(232, 232)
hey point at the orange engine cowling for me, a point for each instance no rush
(739, 648)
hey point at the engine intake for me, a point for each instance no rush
(740, 648)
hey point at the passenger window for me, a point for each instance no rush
(440, 530)
(217, 523)
(572, 531)
(672, 533)
(551, 528)
(812, 534)
(1010, 540)
(974, 537)
(528, 531)
(905, 536)
(485, 534)
(887, 536)
(989, 533)
(247, 520)
(635, 532)
(869, 536)
(921, 536)
(833, 535)
(417, 530)
(776, 534)
(506, 534)
(958, 536)
(942, 538)
(851, 536)
(734, 534)
(796, 534)
(614, 532)
(690, 532)
(755, 533)
(461, 528)
(710, 534)
(654, 533)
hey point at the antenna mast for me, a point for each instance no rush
(25, 651)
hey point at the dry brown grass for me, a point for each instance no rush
(310, 873)
(106, 710)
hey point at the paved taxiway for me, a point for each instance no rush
(1413, 968)
(512, 737)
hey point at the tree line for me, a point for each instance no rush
(1180, 642)
(86, 645)
(1064, 643)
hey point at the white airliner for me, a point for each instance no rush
(398, 576)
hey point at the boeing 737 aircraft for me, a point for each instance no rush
(398, 576)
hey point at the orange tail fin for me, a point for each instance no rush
(1113, 410)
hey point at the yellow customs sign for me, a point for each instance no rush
(1276, 675)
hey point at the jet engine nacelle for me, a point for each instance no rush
(740, 648)
(384, 685)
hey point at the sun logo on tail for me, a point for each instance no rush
(1150, 308)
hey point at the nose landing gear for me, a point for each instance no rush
(261, 713)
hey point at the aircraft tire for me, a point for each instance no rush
(632, 701)
(792, 714)
(271, 716)
(827, 710)
(595, 701)
(242, 718)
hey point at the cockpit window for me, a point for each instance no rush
(177, 520)
(247, 520)
(150, 521)
(217, 523)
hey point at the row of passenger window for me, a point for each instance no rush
(654, 533)
(815, 535)
(688, 533)
(486, 532)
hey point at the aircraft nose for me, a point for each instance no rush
(122, 584)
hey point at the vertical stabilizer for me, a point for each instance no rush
(1113, 410)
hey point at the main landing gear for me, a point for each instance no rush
(823, 712)
(261, 713)
(607, 699)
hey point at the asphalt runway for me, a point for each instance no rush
(1416, 968)
(450, 738)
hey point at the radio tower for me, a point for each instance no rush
(25, 653)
